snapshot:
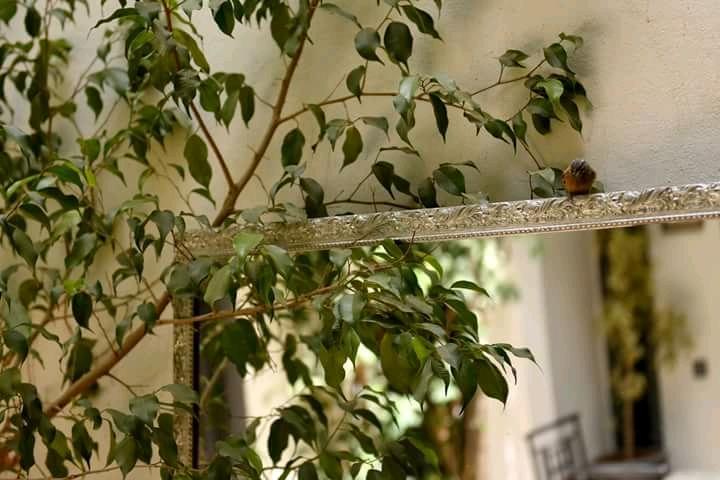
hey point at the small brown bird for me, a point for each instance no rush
(578, 178)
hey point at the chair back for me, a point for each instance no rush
(558, 450)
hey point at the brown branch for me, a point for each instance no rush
(276, 120)
(103, 365)
(196, 113)
(246, 312)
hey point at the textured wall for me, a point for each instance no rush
(687, 284)
(650, 66)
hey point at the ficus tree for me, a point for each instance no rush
(76, 257)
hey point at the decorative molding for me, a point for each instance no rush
(183, 368)
(618, 209)
(605, 210)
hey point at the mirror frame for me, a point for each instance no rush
(671, 204)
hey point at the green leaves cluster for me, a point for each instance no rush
(368, 298)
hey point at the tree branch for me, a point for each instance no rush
(196, 113)
(108, 361)
(229, 204)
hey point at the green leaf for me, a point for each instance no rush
(491, 381)
(229, 107)
(384, 172)
(278, 439)
(246, 95)
(280, 26)
(292, 147)
(450, 179)
(520, 127)
(398, 42)
(82, 307)
(209, 97)
(377, 122)
(576, 40)
(352, 147)
(397, 364)
(541, 123)
(427, 193)
(512, 58)
(246, 242)
(181, 393)
(422, 20)
(24, 246)
(553, 88)
(33, 22)
(466, 380)
(8, 9)
(541, 107)
(573, 113)
(148, 314)
(314, 197)
(334, 9)
(145, 408)
(184, 39)
(369, 416)
(441, 115)
(9, 381)
(82, 247)
(366, 42)
(17, 343)
(319, 115)
(126, 455)
(468, 285)
(221, 468)
(354, 80)
(219, 285)
(280, 258)
(94, 100)
(307, 472)
(82, 443)
(333, 361)
(240, 344)
(556, 56)
(331, 466)
(196, 153)
(499, 129)
(164, 438)
(119, 13)
(224, 18)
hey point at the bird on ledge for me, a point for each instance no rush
(578, 178)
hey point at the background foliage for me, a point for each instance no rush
(82, 255)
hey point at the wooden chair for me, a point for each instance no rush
(558, 450)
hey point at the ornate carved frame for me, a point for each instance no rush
(608, 210)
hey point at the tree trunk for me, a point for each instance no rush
(472, 440)
(628, 429)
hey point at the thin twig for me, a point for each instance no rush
(211, 383)
(118, 380)
(196, 113)
(512, 80)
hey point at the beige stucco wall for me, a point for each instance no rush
(685, 275)
(650, 66)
